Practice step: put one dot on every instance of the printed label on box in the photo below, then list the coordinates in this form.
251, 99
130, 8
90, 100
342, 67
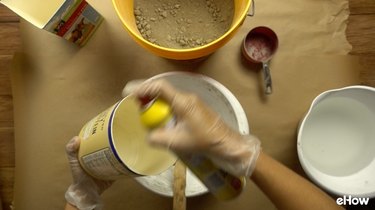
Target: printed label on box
75, 21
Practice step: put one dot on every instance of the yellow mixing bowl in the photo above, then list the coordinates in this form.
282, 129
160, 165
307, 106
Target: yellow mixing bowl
125, 11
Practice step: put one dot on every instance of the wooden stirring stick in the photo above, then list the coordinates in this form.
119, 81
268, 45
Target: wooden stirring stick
179, 185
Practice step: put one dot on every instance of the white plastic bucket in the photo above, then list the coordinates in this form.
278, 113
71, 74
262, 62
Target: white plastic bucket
221, 100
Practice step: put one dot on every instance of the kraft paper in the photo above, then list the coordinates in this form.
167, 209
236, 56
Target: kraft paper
59, 87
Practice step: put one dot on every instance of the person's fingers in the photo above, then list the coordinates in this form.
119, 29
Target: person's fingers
166, 91
147, 89
176, 139
157, 88
72, 154
183, 104
131, 86
162, 137
72, 147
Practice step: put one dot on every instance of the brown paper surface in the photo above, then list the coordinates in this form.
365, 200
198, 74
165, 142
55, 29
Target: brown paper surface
305, 27
58, 87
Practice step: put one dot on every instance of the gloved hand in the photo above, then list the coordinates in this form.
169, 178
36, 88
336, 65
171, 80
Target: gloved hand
200, 130
85, 191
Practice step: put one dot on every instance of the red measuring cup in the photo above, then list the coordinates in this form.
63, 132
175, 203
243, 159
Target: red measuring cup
259, 45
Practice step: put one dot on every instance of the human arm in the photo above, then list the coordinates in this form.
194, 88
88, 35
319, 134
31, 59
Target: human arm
287, 189
200, 130
84, 192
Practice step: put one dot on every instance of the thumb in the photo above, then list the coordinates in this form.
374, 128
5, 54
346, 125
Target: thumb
72, 153
72, 147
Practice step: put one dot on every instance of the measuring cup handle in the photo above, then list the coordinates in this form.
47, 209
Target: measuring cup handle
267, 78
251, 11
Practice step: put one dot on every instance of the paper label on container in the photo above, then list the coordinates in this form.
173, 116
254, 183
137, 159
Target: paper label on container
75, 21
103, 163
96, 124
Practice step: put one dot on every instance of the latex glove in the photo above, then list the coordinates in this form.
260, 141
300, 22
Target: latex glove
85, 191
131, 86
200, 130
